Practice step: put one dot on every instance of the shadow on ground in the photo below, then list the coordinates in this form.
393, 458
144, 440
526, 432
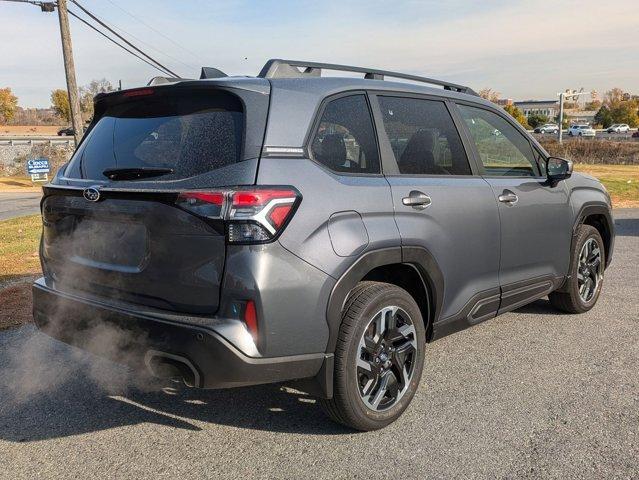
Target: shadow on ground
627, 227
82, 404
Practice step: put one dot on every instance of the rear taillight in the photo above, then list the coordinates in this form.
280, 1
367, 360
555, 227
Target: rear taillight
254, 215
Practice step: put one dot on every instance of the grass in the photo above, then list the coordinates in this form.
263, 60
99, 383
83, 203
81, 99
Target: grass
621, 181
19, 241
594, 152
18, 184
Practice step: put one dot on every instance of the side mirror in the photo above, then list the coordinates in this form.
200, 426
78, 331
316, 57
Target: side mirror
558, 169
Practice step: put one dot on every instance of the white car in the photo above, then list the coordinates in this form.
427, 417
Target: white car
618, 128
547, 128
581, 131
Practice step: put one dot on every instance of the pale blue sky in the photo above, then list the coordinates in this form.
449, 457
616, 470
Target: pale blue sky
523, 49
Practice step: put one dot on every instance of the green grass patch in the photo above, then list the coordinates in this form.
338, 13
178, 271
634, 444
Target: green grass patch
19, 243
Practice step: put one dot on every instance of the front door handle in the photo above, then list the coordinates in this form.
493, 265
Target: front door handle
417, 200
508, 197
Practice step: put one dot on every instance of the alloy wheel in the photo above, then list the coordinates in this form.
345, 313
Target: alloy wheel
386, 358
589, 270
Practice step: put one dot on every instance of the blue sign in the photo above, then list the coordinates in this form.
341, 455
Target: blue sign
38, 165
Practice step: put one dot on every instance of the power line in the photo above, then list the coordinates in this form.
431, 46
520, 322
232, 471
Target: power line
124, 39
115, 42
149, 45
156, 31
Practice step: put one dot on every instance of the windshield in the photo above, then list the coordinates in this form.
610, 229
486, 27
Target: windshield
182, 134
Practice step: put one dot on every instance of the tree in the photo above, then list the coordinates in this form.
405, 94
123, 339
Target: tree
603, 117
8, 104
517, 115
89, 91
594, 105
60, 104
626, 111
614, 97
535, 119
489, 94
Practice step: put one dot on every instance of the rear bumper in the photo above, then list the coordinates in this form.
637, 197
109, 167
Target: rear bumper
131, 338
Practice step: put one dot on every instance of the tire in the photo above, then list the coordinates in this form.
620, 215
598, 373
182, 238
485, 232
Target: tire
366, 305
569, 298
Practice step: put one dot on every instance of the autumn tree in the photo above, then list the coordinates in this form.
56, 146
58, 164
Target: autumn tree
60, 104
489, 94
613, 97
517, 115
626, 111
8, 105
623, 108
89, 91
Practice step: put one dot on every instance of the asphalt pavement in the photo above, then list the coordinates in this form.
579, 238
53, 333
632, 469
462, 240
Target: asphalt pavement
531, 394
16, 204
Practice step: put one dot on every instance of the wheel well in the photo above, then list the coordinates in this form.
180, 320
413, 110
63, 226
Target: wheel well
600, 223
407, 277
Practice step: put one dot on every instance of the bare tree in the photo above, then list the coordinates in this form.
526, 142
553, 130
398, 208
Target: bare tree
89, 91
489, 94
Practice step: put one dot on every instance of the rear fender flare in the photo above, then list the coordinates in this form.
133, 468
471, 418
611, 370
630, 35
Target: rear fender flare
418, 257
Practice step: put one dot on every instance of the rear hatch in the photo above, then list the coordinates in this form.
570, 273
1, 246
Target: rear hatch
113, 223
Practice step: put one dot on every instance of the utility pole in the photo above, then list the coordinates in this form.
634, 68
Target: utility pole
69, 70
561, 116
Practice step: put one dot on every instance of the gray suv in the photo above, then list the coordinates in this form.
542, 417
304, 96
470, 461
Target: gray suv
290, 227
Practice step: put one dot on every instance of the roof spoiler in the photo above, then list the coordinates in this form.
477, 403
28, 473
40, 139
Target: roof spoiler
278, 68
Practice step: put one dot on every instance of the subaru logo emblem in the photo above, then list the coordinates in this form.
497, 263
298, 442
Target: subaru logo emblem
92, 194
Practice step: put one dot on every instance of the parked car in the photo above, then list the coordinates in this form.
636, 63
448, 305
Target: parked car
547, 128
581, 131
237, 231
635, 134
66, 131
618, 128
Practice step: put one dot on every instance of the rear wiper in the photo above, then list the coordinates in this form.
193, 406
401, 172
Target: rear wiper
134, 173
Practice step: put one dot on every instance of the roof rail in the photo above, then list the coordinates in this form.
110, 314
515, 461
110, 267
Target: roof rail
278, 68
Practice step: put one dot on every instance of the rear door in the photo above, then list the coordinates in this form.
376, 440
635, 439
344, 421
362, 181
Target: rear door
117, 223
535, 215
440, 205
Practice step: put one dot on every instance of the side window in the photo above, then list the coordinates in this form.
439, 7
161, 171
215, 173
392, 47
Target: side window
423, 137
345, 140
504, 151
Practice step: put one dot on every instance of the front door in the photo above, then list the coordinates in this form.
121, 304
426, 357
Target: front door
535, 215
440, 205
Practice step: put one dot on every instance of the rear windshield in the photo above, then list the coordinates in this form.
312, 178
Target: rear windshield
185, 133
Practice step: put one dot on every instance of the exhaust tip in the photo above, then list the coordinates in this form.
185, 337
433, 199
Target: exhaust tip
174, 367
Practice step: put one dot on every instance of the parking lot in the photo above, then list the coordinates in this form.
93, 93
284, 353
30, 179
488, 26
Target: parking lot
532, 394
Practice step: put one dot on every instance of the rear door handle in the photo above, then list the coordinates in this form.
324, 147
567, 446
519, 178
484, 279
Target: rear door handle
418, 200
508, 197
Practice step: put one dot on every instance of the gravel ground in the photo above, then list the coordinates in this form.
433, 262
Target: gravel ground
532, 394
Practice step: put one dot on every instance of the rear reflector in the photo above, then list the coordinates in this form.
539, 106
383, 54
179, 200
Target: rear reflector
254, 215
250, 318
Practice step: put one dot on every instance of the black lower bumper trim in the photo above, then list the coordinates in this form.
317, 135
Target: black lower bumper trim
126, 337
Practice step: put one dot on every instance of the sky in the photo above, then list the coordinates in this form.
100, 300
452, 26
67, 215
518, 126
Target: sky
522, 49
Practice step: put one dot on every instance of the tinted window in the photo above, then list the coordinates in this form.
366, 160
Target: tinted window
504, 151
423, 137
345, 140
190, 134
